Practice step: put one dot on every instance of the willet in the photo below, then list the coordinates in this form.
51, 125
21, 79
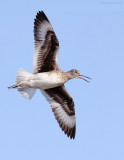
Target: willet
48, 77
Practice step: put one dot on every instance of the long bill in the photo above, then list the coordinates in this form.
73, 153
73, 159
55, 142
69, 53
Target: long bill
81, 77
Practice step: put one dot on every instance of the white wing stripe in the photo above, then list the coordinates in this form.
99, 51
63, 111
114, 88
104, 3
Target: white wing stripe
39, 41
46, 45
62, 115
42, 29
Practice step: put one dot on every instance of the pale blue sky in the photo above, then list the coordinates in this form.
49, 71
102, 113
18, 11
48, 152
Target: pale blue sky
91, 36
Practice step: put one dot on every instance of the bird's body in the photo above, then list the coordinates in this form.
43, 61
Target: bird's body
43, 80
48, 77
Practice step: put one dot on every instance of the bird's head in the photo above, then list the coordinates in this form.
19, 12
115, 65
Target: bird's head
74, 73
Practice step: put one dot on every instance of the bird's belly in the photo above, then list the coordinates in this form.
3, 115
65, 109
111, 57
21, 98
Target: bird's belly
43, 81
45, 84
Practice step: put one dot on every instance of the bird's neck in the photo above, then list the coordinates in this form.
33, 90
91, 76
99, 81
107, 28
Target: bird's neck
69, 75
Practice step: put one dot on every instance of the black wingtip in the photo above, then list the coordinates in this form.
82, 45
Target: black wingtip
41, 16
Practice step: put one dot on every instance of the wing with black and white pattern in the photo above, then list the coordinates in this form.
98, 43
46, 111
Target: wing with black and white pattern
63, 107
46, 45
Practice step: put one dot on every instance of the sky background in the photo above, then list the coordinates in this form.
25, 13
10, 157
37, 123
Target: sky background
91, 36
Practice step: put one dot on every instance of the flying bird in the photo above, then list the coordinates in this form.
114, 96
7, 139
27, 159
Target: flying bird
48, 77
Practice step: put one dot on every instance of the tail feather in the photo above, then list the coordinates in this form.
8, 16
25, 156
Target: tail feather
22, 78
22, 75
28, 93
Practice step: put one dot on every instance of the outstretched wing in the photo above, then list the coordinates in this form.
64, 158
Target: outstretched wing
46, 45
63, 107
